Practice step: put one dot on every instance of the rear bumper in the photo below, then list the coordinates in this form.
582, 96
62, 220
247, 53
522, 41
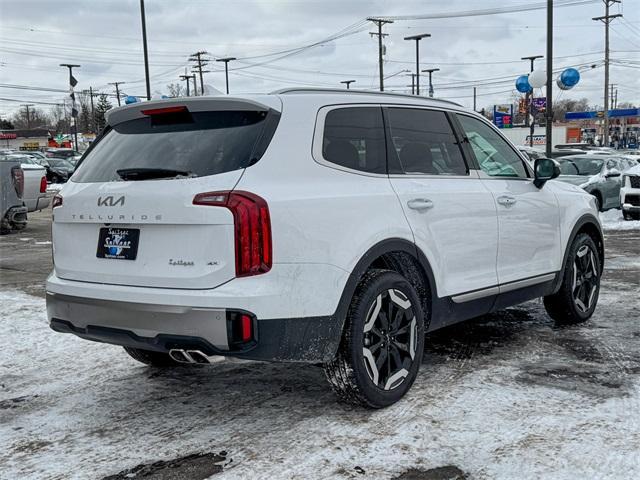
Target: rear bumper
163, 328
295, 322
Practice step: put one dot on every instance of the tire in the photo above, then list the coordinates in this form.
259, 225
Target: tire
154, 359
372, 377
578, 295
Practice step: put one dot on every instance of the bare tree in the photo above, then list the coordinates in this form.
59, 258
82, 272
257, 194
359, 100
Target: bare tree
176, 90
37, 118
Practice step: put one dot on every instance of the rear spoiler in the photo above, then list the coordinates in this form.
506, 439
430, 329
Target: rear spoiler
194, 104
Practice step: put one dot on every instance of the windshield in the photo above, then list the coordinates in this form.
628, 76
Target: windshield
195, 145
59, 162
586, 166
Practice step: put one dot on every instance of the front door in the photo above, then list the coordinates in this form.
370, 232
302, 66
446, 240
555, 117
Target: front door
529, 242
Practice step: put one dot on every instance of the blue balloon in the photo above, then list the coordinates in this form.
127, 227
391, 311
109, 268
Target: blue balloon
568, 79
130, 99
522, 84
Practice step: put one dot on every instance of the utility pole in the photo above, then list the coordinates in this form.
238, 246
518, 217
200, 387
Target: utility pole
417, 39
413, 83
611, 101
380, 22
531, 122
347, 82
195, 85
27, 105
606, 19
430, 72
615, 100
226, 61
116, 84
548, 112
187, 78
93, 113
474, 99
144, 46
74, 111
201, 62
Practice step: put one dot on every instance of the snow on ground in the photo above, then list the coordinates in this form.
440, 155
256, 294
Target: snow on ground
506, 397
613, 220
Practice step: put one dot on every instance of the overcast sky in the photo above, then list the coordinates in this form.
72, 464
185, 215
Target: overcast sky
105, 38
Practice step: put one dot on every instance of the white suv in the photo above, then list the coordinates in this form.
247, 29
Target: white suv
320, 226
630, 193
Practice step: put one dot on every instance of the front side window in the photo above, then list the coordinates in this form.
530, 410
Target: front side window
494, 155
354, 138
424, 142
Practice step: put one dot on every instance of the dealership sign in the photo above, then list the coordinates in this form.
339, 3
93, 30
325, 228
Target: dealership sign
8, 136
537, 140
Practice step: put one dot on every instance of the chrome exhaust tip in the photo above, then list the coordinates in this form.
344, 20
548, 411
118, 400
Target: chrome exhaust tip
180, 356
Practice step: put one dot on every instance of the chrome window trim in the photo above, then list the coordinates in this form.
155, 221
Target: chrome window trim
503, 288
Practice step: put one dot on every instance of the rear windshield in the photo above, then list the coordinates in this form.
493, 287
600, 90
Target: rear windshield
200, 143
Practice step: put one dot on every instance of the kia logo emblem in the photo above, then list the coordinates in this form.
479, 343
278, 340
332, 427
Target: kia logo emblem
110, 201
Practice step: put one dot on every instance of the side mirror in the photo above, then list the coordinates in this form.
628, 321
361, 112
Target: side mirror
545, 169
612, 173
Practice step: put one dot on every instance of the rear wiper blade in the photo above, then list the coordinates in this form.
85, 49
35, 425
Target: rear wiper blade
150, 173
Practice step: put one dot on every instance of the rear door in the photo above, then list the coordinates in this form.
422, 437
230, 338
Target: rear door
528, 217
127, 215
452, 214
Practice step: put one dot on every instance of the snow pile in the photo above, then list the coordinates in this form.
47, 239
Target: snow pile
77, 410
613, 220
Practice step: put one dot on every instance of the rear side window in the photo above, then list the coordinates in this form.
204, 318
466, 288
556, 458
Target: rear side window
424, 142
354, 138
200, 143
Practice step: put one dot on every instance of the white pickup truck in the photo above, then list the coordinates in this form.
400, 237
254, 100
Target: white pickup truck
35, 196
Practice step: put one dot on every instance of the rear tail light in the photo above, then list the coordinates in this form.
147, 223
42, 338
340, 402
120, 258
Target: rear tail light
43, 184
18, 180
56, 202
241, 330
252, 225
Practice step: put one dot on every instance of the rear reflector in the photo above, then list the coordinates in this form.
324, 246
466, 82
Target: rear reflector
241, 330
164, 110
252, 225
43, 185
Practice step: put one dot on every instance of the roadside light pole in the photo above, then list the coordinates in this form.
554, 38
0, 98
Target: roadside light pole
548, 113
144, 46
347, 82
74, 111
226, 61
531, 122
430, 72
417, 38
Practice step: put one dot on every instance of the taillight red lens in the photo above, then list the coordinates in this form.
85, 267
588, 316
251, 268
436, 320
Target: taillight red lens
164, 110
252, 228
56, 202
246, 328
43, 185
18, 180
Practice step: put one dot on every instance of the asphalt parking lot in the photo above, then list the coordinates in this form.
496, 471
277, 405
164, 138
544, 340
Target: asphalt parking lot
508, 396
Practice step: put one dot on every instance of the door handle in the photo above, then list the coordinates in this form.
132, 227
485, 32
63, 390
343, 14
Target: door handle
506, 200
420, 204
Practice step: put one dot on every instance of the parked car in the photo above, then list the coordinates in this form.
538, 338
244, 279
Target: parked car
599, 175
58, 169
630, 193
531, 154
60, 152
35, 196
13, 214
565, 152
331, 227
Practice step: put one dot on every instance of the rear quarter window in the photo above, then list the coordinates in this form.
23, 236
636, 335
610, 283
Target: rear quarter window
353, 138
201, 143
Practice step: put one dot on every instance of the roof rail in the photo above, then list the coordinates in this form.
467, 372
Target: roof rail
357, 92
